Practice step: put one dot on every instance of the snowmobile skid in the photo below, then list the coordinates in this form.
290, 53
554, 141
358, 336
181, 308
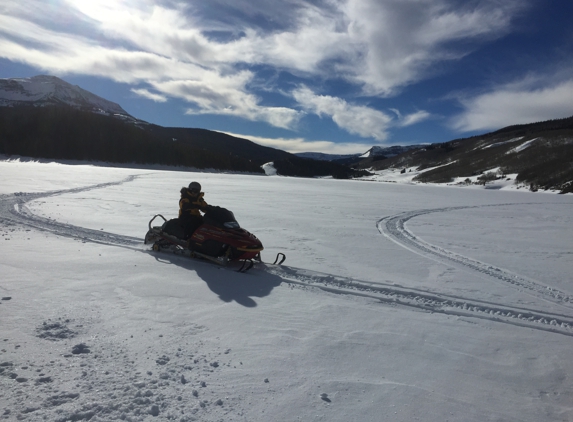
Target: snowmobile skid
220, 240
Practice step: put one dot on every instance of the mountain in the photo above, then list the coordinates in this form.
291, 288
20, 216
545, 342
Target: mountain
540, 154
392, 151
375, 151
375, 154
326, 157
46, 117
363, 160
43, 90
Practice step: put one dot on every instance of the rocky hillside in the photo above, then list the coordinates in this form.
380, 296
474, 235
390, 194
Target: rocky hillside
541, 154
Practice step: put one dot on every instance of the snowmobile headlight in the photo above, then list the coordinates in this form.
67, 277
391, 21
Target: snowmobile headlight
231, 225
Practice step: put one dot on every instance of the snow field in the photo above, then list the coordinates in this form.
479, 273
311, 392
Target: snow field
353, 327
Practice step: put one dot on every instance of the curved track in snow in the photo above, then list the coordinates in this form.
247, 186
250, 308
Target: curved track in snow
420, 300
13, 211
394, 228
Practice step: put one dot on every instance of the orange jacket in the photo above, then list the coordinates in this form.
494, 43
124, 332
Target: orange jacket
190, 205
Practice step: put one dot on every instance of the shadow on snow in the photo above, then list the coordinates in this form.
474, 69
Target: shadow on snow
228, 284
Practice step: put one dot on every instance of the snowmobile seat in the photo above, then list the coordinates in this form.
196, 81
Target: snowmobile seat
174, 228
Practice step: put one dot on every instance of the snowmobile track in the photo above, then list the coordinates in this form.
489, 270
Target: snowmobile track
394, 228
13, 211
420, 300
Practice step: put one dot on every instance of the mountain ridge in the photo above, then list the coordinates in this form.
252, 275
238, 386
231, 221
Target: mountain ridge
540, 154
45, 90
374, 151
46, 117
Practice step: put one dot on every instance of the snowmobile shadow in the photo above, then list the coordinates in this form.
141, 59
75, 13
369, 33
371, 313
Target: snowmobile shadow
227, 284
241, 288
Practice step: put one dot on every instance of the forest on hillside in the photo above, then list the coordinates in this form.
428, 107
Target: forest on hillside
66, 133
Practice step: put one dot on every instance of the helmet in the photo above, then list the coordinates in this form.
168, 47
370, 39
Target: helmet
195, 186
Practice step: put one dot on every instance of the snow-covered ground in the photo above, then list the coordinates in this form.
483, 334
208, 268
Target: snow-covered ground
507, 182
396, 303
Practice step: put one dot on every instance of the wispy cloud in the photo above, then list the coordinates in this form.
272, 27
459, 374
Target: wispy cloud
515, 103
150, 95
294, 145
211, 90
401, 40
359, 120
410, 119
209, 54
356, 119
227, 95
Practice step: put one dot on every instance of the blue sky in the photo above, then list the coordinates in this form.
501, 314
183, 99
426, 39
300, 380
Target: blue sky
333, 76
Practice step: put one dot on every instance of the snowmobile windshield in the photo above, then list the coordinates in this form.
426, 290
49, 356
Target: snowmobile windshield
221, 217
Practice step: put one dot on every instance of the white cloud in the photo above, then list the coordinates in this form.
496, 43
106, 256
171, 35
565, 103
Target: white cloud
294, 145
516, 103
356, 119
360, 120
214, 94
151, 28
303, 49
208, 88
414, 118
169, 46
403, 39
382, 44
150, 95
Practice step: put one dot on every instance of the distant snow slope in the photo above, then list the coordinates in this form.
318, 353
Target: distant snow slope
324, 157
372, 152
49, 90
389, 151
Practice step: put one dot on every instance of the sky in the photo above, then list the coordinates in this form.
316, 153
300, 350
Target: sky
332, 76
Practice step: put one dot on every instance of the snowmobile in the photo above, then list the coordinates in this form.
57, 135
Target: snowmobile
220, 240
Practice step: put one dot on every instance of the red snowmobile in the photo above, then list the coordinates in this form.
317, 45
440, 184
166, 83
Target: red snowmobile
219, 239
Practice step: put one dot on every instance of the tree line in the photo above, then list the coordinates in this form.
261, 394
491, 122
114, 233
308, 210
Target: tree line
60, 132
66, 133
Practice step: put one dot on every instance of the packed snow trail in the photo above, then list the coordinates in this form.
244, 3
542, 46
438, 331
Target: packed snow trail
394, 228
13, 210
425, 301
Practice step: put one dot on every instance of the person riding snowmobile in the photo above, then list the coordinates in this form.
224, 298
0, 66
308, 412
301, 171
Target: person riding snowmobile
190, 205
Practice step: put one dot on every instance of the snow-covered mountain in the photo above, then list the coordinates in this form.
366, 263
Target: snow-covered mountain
46, 90
375, 151
392, 151
26, 102
538, 153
